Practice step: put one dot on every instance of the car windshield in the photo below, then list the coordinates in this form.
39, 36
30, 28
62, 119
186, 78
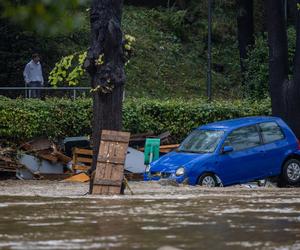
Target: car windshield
201, 141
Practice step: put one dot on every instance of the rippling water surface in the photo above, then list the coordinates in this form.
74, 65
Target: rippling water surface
51, 215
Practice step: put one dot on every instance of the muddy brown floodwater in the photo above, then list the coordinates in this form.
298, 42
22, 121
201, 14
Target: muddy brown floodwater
57, 215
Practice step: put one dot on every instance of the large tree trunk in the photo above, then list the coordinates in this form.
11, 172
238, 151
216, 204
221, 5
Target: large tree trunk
105, 63
292, 11
182, 4
245, 26
293, 90
278, 55
284, 93
297, 54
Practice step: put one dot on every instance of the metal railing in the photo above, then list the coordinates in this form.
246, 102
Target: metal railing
28, 89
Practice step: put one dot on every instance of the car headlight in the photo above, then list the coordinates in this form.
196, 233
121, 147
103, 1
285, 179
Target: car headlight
180, 171
147, 170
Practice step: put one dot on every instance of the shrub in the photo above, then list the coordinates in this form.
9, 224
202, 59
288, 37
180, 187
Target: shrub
257, 65
58, 118
54, 118
257, 70
180, 116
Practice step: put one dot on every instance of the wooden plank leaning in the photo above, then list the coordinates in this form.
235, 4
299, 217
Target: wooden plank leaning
110, 163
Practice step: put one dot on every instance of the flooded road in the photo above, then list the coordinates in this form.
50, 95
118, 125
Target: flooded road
56, 215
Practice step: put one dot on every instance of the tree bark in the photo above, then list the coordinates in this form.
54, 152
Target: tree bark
284, 92
292, 11
296, 72
105, 64
293, 90
278, 55
181, 3
245, 26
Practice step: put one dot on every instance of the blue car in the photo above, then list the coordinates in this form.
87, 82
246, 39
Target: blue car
233, 152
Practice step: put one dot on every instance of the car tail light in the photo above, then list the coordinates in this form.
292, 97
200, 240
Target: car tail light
298, 142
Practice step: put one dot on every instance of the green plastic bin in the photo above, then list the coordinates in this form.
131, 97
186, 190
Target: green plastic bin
151, 151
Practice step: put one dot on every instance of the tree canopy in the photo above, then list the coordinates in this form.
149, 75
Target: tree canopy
46, 17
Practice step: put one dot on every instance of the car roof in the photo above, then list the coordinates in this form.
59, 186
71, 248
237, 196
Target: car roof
239, 122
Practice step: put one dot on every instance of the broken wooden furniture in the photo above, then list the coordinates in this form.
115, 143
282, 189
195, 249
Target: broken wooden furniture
8, 163
138, 140
163, 149
69, 143
168, 148
109, 171
81, 177
42, 159
82, 159
45, 149
134, 164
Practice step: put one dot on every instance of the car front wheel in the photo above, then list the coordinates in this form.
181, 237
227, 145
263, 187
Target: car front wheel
207, 180
291, 172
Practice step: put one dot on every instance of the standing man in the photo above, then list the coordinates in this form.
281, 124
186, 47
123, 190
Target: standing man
33, 76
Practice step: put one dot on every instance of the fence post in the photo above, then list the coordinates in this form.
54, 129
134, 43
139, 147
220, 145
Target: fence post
25, 90
74, 94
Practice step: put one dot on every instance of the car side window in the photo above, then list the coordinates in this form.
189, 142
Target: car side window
243, 138
271, 132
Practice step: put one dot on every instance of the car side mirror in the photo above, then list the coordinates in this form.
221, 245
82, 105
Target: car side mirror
227, 149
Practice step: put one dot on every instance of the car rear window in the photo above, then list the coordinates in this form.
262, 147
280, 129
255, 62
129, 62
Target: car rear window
243, 138
271, 132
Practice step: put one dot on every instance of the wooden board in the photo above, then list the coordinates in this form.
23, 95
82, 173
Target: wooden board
110, 163
164, 148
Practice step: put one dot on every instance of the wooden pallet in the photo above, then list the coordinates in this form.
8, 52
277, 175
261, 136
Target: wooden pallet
82, 159
110, 163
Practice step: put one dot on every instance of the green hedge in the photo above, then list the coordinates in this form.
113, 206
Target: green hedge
57, 118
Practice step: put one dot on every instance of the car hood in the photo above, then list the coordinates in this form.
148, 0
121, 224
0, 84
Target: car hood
174, 159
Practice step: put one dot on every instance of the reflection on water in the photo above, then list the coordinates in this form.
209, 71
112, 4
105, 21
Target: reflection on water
182, 217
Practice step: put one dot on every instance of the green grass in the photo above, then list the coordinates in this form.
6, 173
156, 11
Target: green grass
170, 56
